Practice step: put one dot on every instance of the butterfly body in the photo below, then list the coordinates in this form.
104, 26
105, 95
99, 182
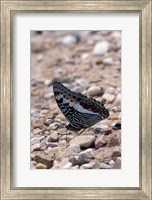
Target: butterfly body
80, 111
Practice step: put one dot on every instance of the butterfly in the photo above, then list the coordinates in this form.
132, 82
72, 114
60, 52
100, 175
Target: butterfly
81, 112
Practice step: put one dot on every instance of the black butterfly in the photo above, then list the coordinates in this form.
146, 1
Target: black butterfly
80, 111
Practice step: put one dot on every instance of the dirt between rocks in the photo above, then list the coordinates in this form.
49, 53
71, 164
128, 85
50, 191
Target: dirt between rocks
88, 62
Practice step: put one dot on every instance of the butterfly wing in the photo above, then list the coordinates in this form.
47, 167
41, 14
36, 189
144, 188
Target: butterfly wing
80, 111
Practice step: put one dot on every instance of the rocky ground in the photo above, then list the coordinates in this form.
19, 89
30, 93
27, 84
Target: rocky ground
84, 61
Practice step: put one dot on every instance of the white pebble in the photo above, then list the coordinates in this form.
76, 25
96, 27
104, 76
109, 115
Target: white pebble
109, 97
68, 40
108, 61
94, 90
101, 48
118, 100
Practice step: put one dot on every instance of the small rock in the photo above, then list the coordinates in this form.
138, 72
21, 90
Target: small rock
72, 149
39, 57
75, 167
69, 40
109, 98
62, 144
100, 141
53, 126
108, 61
65, 164
36, 147
83, 83
116, 126
85, 56
94, 90
47, 122
101, 48
36, 131
111, 162
48, 95
67, 138
46, 160
54, 152
114, 140
41, 166
78, 89
37, 44
118, 100
84, 141
116, 35
35, 141
110, 90
104, 166
89, 165
53, 137
100, 130
116, 153
117, 164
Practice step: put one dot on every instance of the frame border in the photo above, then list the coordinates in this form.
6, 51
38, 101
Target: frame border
8, 9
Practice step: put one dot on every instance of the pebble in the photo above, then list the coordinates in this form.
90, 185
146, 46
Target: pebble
116, 126
62, 144
41, 166
114, 140
118, 100
48, 95
101, 48
36, 147
54, 152
109, 98
89, 165
104, 166
116, 35
116, 153
88, 153
35, 141
39, 57
82, 83
85, 56
84, 141
53, 137
65, 163
47, 122
100, 130
68, 137
46, 160
110, 90
108, 61
70, 150
69, 40
117, 164
37, 44
36, 131
112, 162
100, 141
94, 90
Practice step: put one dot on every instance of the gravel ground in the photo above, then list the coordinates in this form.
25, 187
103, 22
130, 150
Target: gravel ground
84, 61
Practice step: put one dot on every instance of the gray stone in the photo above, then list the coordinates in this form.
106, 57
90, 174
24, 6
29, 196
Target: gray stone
35, 141
117, 164
53, 137
84, 141
72, 149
